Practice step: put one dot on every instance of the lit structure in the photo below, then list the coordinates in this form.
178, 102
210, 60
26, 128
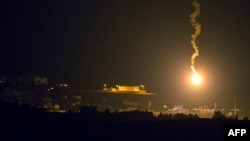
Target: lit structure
120, 98
126, 89
129, 88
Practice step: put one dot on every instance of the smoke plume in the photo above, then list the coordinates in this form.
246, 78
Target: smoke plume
197, 27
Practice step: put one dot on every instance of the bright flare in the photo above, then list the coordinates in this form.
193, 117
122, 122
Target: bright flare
196, 79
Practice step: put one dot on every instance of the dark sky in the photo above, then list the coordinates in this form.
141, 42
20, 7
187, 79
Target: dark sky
131, 42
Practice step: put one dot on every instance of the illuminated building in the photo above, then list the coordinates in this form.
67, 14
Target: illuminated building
120, 98
127, 89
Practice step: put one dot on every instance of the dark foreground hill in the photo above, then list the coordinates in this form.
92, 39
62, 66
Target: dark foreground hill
198, 129
35, 125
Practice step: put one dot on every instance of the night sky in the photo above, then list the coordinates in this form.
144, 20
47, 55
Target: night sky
131, 42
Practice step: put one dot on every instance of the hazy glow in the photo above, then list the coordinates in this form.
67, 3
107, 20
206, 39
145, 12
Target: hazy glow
196, 79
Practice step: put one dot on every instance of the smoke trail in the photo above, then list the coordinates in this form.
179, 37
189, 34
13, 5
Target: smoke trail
197, 27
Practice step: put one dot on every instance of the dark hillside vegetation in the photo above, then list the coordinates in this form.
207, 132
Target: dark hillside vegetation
22, 122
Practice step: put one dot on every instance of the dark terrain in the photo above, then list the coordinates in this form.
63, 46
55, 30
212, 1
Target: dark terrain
22, 122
